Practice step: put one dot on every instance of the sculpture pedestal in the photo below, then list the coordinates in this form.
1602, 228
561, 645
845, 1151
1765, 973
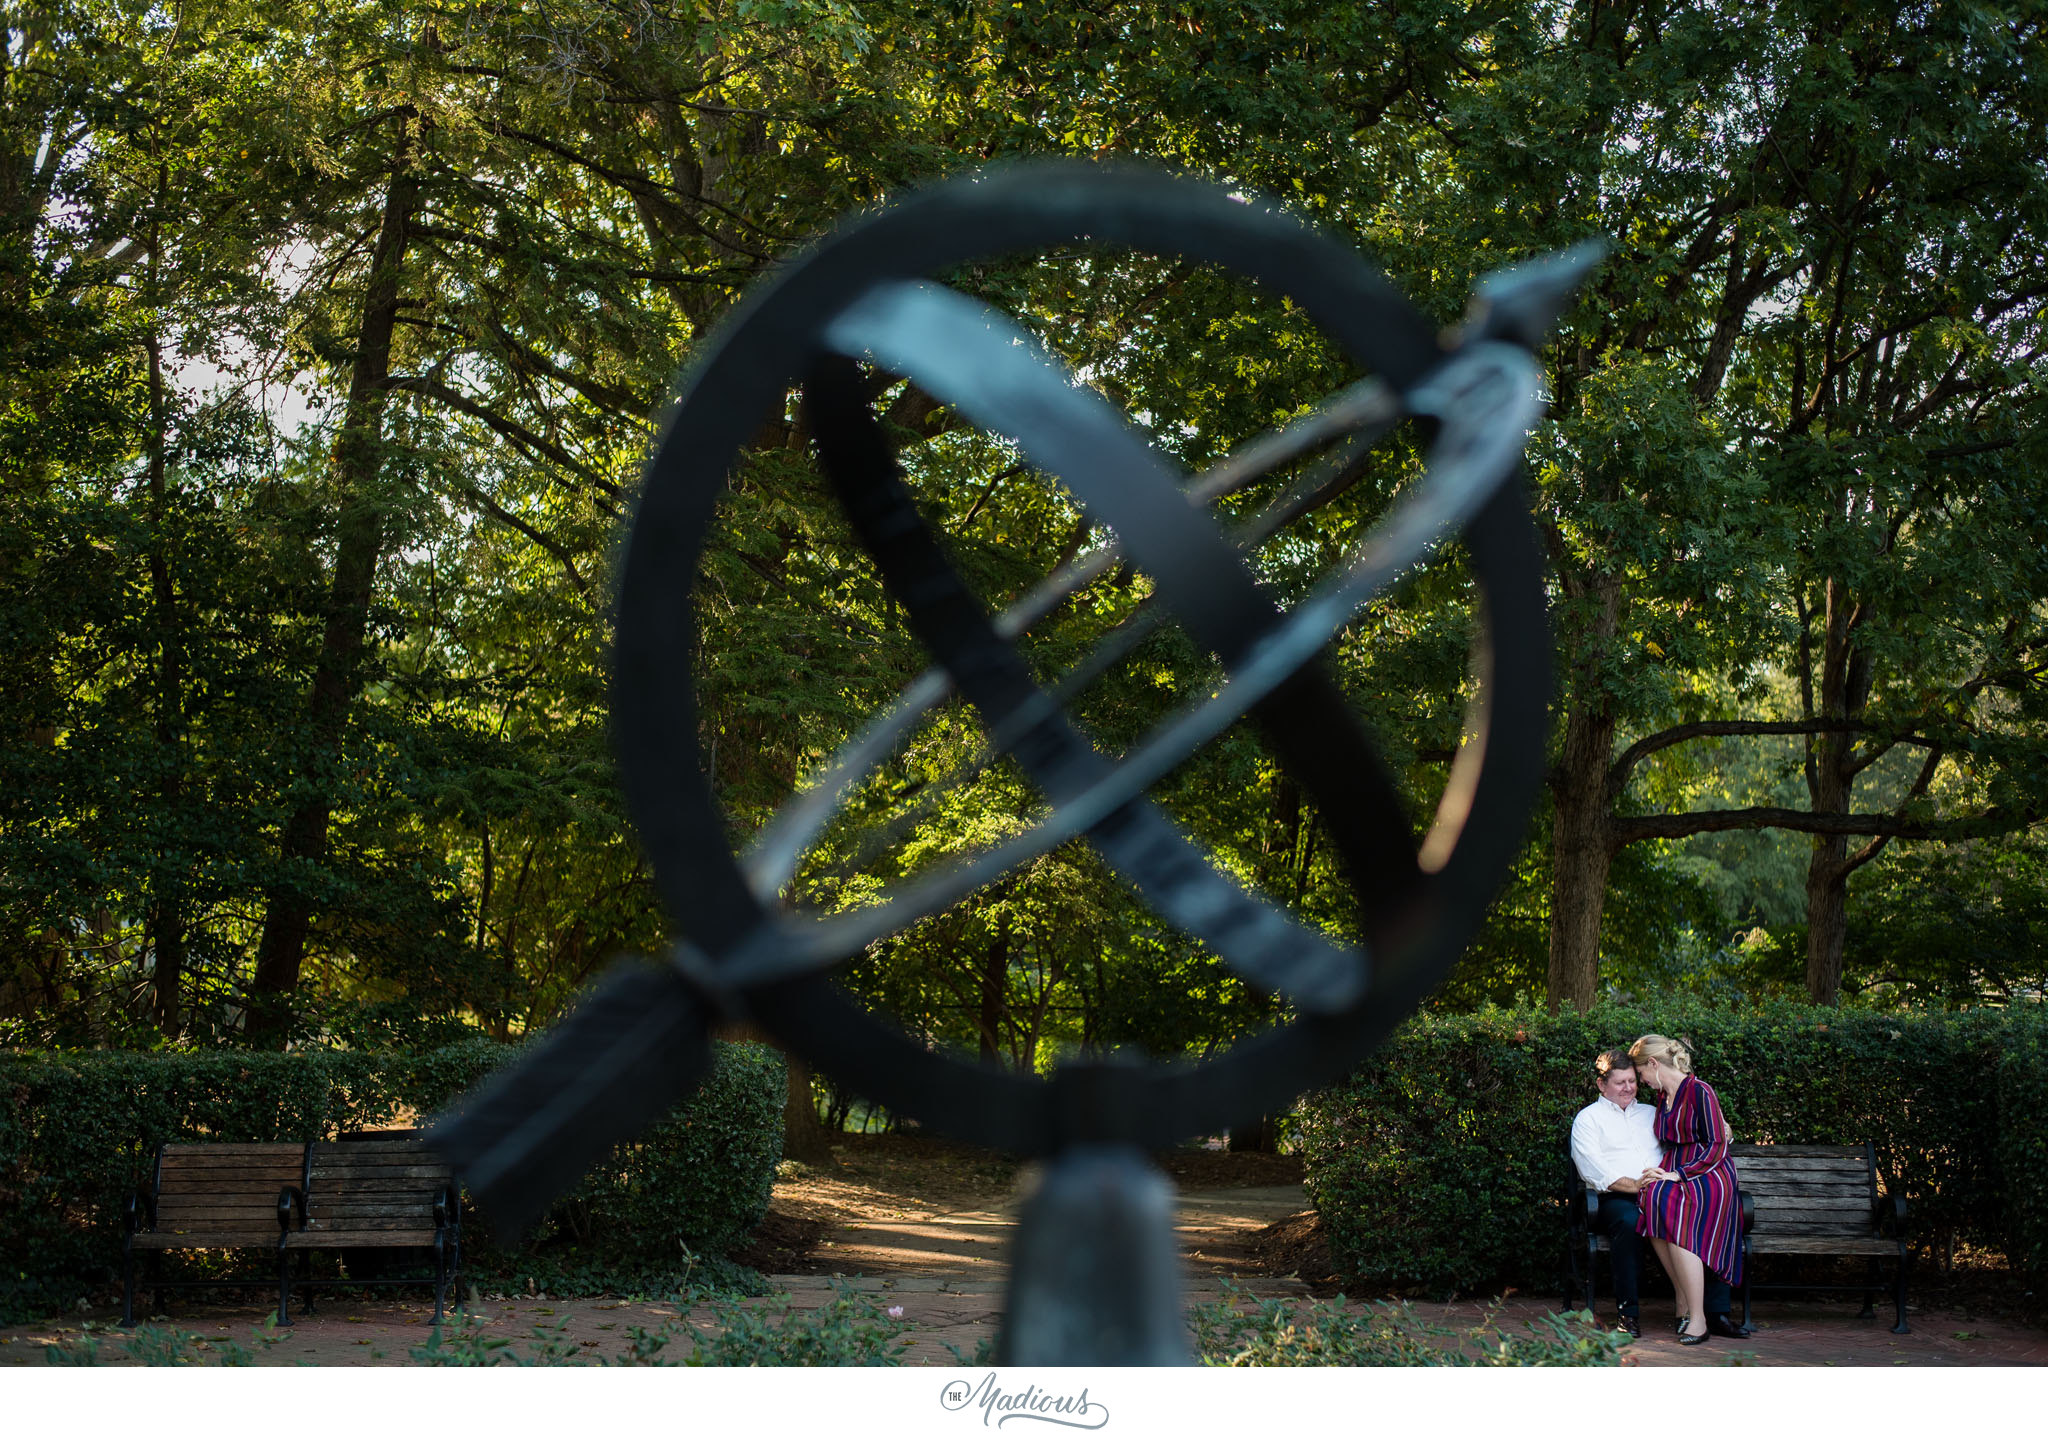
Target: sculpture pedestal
1095, 1277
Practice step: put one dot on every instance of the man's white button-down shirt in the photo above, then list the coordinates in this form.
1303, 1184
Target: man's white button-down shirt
1610, 1142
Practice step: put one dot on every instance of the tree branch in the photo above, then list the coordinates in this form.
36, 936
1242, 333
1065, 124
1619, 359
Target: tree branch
1626, 830
1870, 852
554, 549
523, 436
1618, 773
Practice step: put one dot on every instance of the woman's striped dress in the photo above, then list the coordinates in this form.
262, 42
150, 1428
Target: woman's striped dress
1699, 1211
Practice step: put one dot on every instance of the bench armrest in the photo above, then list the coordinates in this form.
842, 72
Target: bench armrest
1582, 1208
291, 1200
447, 1208
1748, 1209
138, 1214
1888, 1214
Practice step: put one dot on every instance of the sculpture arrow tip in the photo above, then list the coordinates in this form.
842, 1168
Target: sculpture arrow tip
1521, 303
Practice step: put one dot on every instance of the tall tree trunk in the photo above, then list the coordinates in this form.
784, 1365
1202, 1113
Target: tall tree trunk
1581, 832
1830, 780
166, 916
803, 1137
995, 984
1827, 917
1262, 1137
358, 459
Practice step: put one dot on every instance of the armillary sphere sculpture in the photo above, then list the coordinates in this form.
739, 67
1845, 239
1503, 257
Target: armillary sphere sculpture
1094, 1273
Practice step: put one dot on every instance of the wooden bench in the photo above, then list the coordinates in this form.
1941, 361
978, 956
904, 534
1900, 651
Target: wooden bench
1822, 1200
211, 1196
1814, 1199
377, 1194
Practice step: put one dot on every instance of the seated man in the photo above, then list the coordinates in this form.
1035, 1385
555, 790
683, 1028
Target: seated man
1614, 1143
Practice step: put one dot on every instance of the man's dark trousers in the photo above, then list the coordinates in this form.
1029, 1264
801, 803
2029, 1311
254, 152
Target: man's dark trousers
1617, 1219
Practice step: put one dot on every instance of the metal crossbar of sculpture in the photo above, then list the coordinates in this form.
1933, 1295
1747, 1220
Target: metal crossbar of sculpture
1094, 1272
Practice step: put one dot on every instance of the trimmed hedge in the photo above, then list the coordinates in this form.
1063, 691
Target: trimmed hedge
78, 1132
1439, 1164
2023, 1150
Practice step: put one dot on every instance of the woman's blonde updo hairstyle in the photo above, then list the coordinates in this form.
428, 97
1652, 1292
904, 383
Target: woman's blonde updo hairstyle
1675, 1053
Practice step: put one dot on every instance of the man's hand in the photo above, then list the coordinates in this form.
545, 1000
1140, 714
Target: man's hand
1625, 1185
1653, 1174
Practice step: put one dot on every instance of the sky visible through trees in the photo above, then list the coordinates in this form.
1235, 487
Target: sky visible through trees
334, 336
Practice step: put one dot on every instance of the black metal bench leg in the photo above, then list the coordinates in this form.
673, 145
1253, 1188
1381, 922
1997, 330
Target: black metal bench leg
1746, 1323
455, 1271
159, 1295
305, 1279
128, 1287
284, 1286
1870, 1288
1899, 1296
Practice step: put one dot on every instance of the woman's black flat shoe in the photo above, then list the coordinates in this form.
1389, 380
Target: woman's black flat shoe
1691, 1339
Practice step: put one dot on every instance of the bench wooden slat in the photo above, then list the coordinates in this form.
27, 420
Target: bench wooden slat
1807, 1243
1799, 1151
285, 1169
210, 1154
421, 1171
381, 1151
1840, 1227
422, 1199
370, 1151
178, 1148
363, 1238
1805, 1188
149, 1241
216, 1217
266, 1188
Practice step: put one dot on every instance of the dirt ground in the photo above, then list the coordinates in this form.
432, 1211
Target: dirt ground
893, 1204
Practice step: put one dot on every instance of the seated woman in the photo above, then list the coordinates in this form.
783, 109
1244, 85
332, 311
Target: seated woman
1690, 1208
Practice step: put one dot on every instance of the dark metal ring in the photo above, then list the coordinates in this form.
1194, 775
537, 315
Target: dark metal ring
782, 334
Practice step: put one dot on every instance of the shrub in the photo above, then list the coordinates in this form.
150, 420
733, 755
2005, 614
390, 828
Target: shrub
79, 1132
851, 1330
2023, 1151
1242, 1331
1439, 1164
